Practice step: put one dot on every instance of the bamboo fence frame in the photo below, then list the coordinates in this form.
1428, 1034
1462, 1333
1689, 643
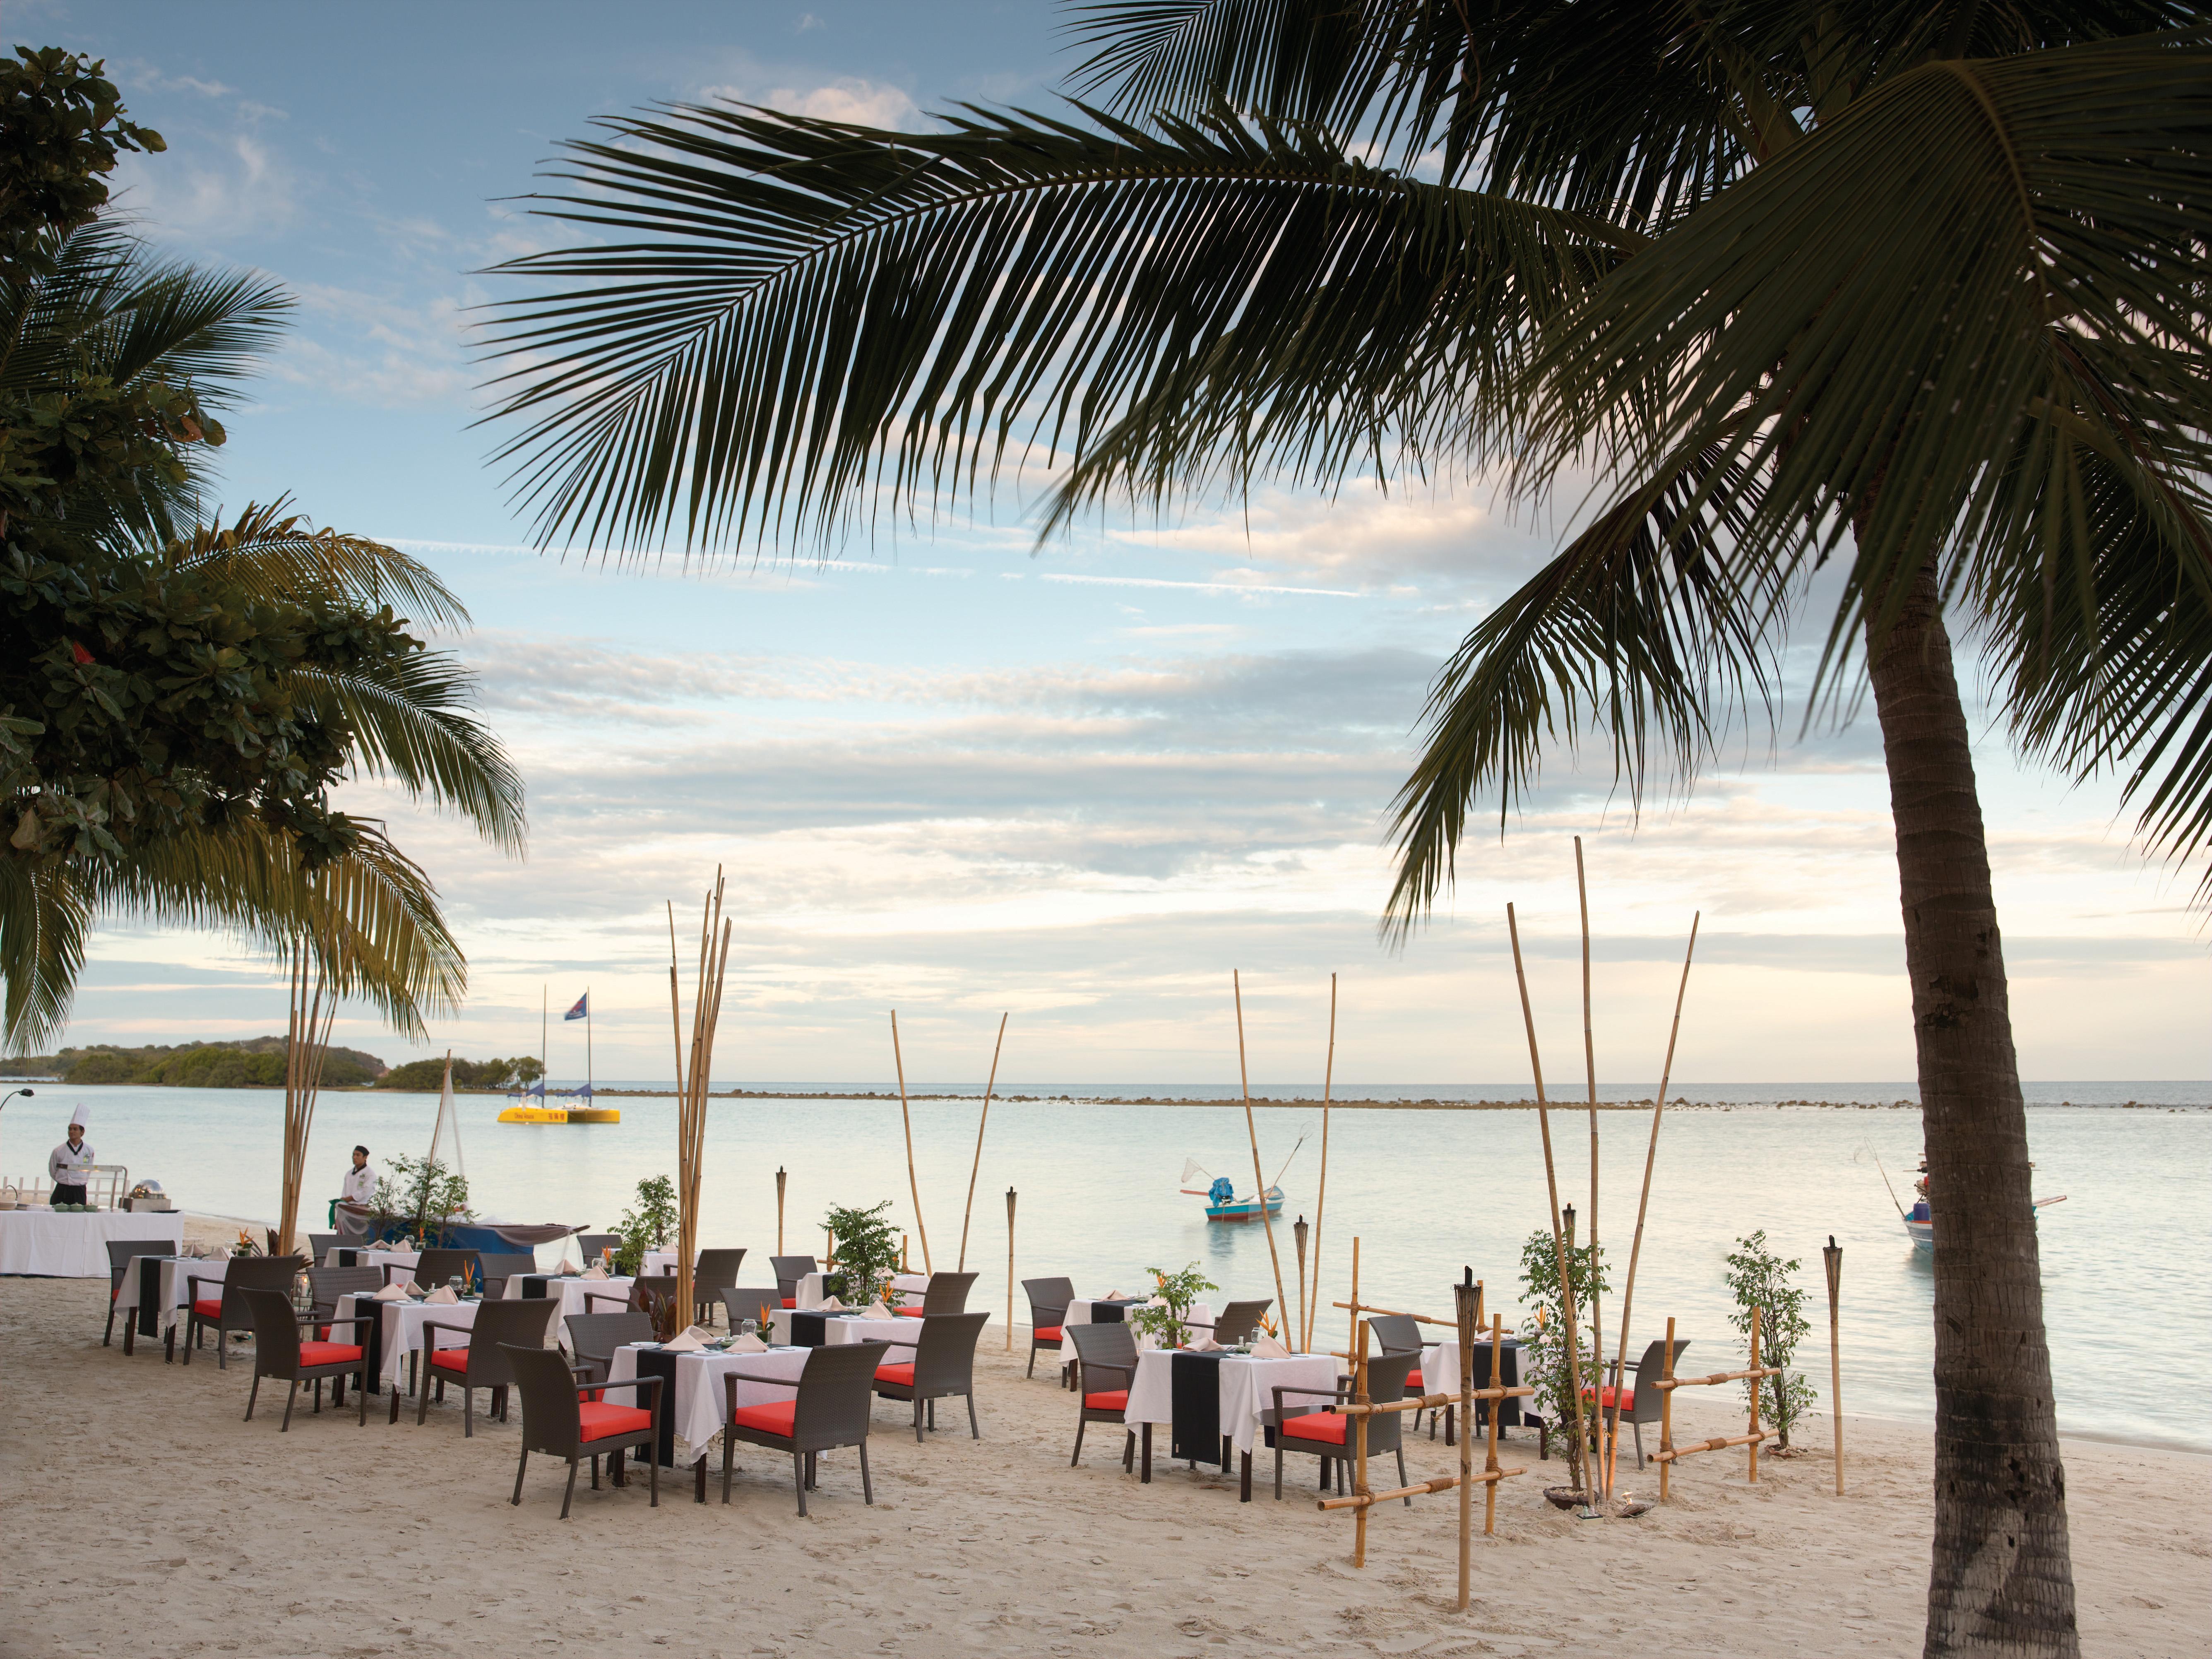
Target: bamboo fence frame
691, 1088
1644, 1201
1579, 1460
313, 1008
913, 1182
1259, 1177
977, 1169
1668, 1452
1320, 1202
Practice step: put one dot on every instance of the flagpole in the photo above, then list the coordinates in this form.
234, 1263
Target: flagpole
545, 1041
588, 1089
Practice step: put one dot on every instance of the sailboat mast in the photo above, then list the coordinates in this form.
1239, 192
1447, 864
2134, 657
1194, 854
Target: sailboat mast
544, 1046
587, 1046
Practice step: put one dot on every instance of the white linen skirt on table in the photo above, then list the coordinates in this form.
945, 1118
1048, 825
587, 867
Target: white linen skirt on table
402, 1327
1247, 1386
702, 1397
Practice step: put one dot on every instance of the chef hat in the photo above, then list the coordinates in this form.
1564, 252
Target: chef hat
77, 1115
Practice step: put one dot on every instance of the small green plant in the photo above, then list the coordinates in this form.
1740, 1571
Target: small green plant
867, 1253
423, 1195
1165, 1324
1760, 1280
1543, 1334
647, 1224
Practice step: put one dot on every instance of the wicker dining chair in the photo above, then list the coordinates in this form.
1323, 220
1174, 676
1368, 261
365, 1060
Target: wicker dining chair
498, 1327
556, 1420
1048, 1300
1640, 1404
947, 1294
758, 1303
1325, 1434
832, 1409
1401, 1333
432, 1268
1105, 1355
500, 1266
714, 1273
594, 1245
593, 1338
279, 1352
1239, 1322
942, 1365
789, 1270
120, 1253
227, 1313
319, 1245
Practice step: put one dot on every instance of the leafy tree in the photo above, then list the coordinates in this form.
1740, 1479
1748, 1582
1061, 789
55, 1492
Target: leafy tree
421, 1194
1543, 1334
419, 1076
178, 697
1914, 293
1759, 1279
1167, 1324
867, 1252
648, 1224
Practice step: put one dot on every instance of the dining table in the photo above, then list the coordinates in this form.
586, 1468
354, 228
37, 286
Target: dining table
1440, 1373
575, 1294
694, 1399
157, 1290
1212, 1401
808, 1327
396, 1338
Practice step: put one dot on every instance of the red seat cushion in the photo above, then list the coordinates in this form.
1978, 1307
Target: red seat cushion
595, 1422
1413, 1380
1318, 1426
896, 1374
1048, 1333
1605, 1398
209, 1308
450, 1359
773, 1417
1106, 1400
789, 1302
329, 1353
908, 1313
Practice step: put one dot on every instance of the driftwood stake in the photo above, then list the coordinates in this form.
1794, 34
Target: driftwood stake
1832, 1258
976, 1169
1577, 1464
1603, 1484
1667, 1412
1010, 1270
913, 1182
1463, 1299
1259, 1178
1644, 1203
1320, 1202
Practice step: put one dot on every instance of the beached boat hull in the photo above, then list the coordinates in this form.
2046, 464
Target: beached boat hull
561, 1115
1245, 1209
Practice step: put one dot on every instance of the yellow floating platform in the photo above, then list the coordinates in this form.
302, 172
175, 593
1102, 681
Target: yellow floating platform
561, 1115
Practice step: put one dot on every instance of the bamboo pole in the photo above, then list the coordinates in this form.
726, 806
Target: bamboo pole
712, 965
1666, 1411
1464, 1299
1651, 1159
1756, 1383
1351, 1339
1259, 1179
779, 1209
1577, 1464
1718, 1443
1832, 1259
1321, 1203
306, 1043
1359, 1485
913, 1182
1010, 1270
1299, 1240
977, 1168
1603, 1483
1466, 1424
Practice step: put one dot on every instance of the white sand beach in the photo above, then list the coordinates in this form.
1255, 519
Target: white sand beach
144, 1517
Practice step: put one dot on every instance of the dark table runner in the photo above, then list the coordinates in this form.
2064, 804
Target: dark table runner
655, 1362
1110, 1313
149, 1293
1195, 1396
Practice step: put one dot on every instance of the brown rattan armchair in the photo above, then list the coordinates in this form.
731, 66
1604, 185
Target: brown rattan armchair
714, 1273
758, 1303
595, 1337
1048, 1300
279, 1352
226, 1312
432, 1268
498, 1327
942, 1365
499, 1267
831, 1410
789, 1270
1328, 1435
1105, 1366
558, 1420
947, 1294
1239, 1322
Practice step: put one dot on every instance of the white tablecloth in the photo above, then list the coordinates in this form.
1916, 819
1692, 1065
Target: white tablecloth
570, 1293
402, 1327
837, 1331
659, 1261
1246, 1383
701, 1395
76, 1246
1199, 1319
366, 1258
176, 1273
1440, 1368
912, 1284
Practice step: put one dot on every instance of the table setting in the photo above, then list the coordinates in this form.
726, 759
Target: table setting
396, 1337
157, 1290
1440, 1374
578, 1293
1210, 1399
694, 1394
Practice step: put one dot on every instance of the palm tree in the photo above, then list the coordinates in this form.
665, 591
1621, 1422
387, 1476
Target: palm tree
100, 312
1918, 292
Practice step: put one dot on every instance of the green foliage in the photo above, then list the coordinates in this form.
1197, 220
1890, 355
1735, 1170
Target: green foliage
867, 1252
1759, 1279
428, 1076
423, 1194
648, 1224
61, 129
1166, 1325
250, 1063
1543, 1332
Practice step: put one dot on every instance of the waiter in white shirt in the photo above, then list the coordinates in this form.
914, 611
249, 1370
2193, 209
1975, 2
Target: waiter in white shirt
70, 1163
359, 1186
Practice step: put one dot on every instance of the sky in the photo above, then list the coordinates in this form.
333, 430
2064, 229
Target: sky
957, 773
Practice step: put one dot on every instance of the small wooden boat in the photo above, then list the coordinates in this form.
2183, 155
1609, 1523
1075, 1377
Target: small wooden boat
1920, 1221
1222, 1203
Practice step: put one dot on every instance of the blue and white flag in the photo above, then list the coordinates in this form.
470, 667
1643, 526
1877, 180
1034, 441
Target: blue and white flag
585, 1090
536, 1088
582, 1010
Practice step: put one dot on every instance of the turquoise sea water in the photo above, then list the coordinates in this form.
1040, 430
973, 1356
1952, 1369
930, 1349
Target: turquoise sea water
2126, 1295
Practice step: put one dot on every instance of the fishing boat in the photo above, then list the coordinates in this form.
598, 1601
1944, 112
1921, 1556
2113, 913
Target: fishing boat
1920, 1221
1222, 1203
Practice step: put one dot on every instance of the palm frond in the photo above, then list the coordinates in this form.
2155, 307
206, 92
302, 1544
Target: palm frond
1646, 626
272, 550
811, 312
43, 923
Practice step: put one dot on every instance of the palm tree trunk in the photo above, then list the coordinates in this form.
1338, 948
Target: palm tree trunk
2001, 1581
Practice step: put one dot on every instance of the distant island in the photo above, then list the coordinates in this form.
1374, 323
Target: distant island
258, 1063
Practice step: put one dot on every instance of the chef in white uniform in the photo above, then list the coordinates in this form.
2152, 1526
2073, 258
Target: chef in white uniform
69, 1165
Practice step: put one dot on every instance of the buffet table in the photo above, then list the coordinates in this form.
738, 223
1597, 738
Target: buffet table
73, 1245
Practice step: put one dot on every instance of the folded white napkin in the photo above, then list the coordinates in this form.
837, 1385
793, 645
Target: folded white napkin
685, 1341
595, 1271
830, 1304
443, 1295
1204, 1344
749, 1345
1113, 1296
1265, 1346
877, 1310
390, 1293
